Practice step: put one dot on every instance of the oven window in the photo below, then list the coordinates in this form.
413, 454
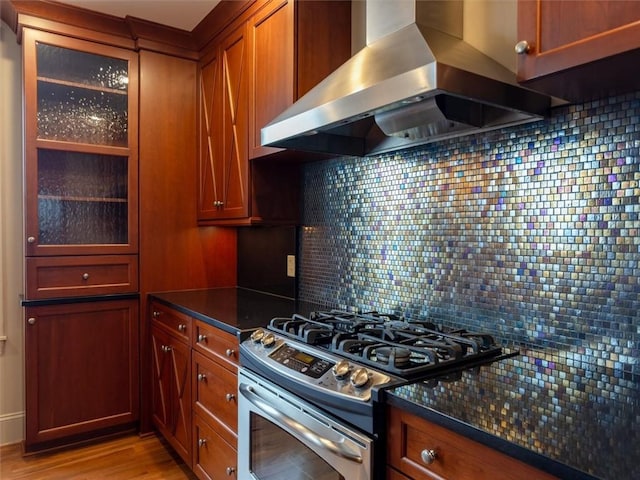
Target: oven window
277, 455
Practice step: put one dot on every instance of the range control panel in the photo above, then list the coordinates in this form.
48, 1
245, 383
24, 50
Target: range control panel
310, 365
301, 361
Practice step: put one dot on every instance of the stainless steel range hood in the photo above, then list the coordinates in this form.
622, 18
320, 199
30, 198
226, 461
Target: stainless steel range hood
415, 82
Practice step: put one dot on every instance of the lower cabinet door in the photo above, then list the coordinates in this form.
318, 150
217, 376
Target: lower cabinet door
213, 457
171, 390
81, 371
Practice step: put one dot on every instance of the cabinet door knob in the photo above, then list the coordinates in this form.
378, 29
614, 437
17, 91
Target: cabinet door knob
166, 348
156, 314
201, 338
31, 321
218, 203
202, 442
522, 47
85, 276
31, 239
428, 456
230, 352
230, 471
229, 396
202, 377
182, 327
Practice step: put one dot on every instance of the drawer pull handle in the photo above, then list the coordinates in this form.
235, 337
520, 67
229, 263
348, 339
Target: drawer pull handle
229, 396
85, 276
202, 442
202, 377
522, 47
182, 328
202, 338
156, 314
230, 352
230, 471
165, 348
428, 456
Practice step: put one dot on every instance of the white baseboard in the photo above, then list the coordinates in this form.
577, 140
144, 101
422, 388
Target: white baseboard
11, 428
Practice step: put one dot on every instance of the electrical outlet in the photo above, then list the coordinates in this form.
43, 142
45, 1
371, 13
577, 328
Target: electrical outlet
291, 265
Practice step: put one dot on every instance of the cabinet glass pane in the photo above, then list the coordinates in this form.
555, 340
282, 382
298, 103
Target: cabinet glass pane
82, 198
82, 97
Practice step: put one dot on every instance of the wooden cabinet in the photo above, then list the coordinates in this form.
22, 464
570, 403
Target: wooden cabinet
195, 383
223, 123
274, 52
82, 370
81, 237
80, 146
215, 403
171, 366
412, 439
51, 277
579, 50
293, 46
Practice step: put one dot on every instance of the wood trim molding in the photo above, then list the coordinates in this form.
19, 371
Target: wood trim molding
215, 22
161, 38
130, 32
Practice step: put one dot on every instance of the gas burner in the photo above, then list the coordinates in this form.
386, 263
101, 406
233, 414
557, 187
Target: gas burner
396, 356
407, 348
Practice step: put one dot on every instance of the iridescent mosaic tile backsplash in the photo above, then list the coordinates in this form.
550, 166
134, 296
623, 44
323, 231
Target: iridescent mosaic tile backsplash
531, 233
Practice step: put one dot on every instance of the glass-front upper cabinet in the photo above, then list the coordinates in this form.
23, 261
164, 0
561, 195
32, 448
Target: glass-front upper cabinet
81, 116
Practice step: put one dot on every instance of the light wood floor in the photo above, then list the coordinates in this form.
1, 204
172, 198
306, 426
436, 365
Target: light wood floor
125, 458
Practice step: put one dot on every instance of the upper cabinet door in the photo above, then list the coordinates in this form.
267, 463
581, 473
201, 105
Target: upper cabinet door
578, 50
272, 68
293, 46
223, 176
81, 146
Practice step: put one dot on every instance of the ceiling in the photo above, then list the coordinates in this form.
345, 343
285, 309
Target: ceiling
182, 14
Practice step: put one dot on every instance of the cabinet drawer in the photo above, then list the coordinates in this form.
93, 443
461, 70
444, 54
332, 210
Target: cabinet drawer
213, 458
457, 457
54, 277
177, 322
215, 396
213, 341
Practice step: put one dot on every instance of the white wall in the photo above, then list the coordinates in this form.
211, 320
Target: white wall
11, 283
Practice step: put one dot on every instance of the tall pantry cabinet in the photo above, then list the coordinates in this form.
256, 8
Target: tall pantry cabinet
81, 238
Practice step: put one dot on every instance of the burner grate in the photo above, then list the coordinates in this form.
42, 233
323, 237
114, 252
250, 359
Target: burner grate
405, 348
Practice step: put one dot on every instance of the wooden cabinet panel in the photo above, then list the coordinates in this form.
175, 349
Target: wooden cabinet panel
210, 165
82, 365
214, 396
213, 458
272, 54
214, 342
272, 68
171, 391
223, 124
54, 277
293, 46
177, 323
456, 457
81, 146
579, 50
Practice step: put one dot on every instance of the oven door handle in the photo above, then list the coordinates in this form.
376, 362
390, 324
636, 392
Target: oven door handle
334, 447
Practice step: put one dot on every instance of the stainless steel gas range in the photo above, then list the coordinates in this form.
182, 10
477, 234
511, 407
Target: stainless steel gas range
311, 389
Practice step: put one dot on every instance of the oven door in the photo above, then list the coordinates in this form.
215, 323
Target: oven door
281, 436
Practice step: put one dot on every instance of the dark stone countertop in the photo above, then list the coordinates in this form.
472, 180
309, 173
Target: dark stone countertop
234, 310
546, 410
574, 420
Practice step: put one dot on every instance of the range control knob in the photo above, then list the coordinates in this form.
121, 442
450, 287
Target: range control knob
341, 369
257, 335
268, 340
359, 378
